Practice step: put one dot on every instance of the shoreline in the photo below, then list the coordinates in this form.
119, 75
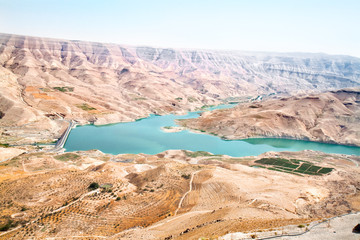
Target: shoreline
265, 137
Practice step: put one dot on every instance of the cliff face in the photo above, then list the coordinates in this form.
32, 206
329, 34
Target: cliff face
331, 117
104, 83
265, 72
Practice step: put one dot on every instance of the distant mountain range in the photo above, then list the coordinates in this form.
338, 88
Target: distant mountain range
104, 83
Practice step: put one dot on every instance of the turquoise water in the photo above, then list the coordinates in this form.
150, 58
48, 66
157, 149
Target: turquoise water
145, 136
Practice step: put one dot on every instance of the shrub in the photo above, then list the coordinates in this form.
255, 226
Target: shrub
198, 154
192, 99
64, 89
67, 157
186, 176
4, 145
7, 226
207, 106
94, 186
86, 107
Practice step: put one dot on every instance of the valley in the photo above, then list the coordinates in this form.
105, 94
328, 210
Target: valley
50, 79
147, 136
166, 179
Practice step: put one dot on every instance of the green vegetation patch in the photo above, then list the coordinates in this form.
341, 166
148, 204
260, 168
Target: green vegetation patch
199, 154
186, 176
254, 106
139, 98
139, 119
86, 107
8, 225
64, 89
45, 89
4, 145
325, 170
93, 186
293, 166
207, 106
315, 169
67, 157
13, 162
106, 186
192, 99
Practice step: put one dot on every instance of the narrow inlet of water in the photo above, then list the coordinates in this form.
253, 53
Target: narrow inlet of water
146, 136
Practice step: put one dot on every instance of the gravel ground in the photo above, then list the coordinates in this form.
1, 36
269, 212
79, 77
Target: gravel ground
335, 229
339, 228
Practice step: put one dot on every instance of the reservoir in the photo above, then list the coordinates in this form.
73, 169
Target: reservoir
146, 136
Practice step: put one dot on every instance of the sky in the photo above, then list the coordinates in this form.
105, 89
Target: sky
328, 26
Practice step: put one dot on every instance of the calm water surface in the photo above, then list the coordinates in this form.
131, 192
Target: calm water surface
145, 136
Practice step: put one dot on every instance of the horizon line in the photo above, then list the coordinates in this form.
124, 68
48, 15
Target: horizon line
183, 48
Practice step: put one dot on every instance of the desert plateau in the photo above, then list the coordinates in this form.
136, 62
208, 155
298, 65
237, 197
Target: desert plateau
51, 86
171, 195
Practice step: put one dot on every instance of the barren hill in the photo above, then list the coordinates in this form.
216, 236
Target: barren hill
175, 194
172, 195
43, 80
331, 117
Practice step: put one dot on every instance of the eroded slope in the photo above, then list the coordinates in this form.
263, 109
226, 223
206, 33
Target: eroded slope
172, 194
331, 117
45, 80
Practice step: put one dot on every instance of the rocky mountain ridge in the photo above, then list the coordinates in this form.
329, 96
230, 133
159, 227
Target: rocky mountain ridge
45, 80
331, 117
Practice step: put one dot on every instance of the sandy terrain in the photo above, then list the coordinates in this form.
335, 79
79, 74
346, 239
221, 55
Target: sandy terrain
172, 194
8, 153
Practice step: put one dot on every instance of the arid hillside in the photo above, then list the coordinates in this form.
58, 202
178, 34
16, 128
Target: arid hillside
331, 117
45, 80
171, 195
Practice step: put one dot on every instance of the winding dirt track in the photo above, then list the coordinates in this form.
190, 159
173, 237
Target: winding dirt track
190, 189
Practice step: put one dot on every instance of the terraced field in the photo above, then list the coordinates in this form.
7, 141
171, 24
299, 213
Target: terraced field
293, 166
172, 195
59, 202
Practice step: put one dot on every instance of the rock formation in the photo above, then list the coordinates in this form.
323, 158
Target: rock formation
44, 80
331, 117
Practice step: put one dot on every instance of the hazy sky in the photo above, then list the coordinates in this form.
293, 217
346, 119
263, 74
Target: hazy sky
330, 26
